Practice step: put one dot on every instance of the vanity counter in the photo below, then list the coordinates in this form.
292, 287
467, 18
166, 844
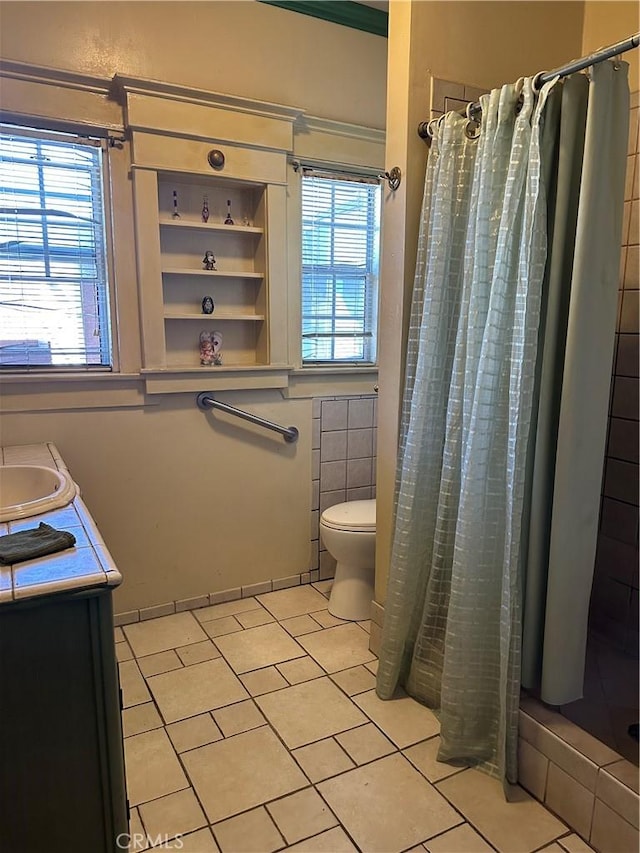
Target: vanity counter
85, 566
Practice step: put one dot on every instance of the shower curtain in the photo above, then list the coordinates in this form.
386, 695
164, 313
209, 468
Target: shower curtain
490, 293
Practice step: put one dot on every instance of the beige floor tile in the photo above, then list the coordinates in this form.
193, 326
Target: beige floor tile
294, 601
123, 652
198, 652
365, 625
259, 647
193, 689
194, 732
118, 635
160, 662
373, 666
332, 841
302, 669
134, 689
301, 815
263, 681
252, 832
176, 814
253, 618
221, 627
324, 618
322, 760
159, 635
137, 834
462, 839
238, 718
413, 810
153, 769
229, 608
338, 648
199, 842
354, 680
309, 711
299, 625
574, 844
511, 827
324, 587
241, 772
554, 847
423, 757
402, 719
365, 744
140, 718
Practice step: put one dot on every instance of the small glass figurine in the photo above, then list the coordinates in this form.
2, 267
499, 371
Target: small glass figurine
176, 215
205, 209
209, 261
228, 220
206, 349
207, 305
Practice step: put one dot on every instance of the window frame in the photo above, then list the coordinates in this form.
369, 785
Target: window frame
57, 131
325, 171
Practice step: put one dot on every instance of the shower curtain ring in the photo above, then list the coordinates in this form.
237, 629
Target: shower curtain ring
536, 82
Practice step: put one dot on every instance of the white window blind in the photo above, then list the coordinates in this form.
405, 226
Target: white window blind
340, 256
54, 305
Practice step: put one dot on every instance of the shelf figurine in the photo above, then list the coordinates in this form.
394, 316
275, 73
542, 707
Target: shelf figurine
206, 349
216, 343
176, 215
209, 261
205, 209
228, 220
207, 305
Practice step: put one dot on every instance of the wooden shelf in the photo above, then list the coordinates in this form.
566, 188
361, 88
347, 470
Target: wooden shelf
212, 273
210, 226
212, 317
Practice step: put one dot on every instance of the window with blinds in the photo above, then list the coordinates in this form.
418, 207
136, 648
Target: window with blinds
340, 256
54, 300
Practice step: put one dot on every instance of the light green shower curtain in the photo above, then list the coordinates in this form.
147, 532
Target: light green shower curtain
453, 614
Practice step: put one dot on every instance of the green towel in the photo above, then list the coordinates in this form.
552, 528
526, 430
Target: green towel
37, 542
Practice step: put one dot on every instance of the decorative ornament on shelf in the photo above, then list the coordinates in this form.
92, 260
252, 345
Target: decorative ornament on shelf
205, 209
209, 261
246, 221
207, 305
216, 343
176, 215
206, 349
228, 220
210, 348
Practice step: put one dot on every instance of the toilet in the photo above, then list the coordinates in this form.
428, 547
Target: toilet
348, 531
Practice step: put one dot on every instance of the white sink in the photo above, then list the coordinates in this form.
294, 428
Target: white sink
27, 490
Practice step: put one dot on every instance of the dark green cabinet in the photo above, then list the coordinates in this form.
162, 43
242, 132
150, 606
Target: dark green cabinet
62, 783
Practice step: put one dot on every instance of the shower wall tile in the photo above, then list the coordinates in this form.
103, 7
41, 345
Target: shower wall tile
334, 414
333, 446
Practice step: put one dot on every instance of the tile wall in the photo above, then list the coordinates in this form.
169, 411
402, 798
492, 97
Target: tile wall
343, 463
614, 602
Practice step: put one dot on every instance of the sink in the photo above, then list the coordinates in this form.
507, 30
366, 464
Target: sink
27, 490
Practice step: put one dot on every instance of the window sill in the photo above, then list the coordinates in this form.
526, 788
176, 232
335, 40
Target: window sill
332, 381
40, 392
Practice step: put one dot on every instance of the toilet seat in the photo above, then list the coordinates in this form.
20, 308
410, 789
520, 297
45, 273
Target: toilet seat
354, 516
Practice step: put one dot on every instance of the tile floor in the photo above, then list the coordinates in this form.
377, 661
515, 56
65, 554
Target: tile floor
254, 726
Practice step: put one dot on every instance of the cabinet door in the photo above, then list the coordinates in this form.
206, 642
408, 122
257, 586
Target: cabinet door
61, 772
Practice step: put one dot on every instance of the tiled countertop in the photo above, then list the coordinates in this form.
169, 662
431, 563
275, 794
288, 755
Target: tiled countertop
88, 564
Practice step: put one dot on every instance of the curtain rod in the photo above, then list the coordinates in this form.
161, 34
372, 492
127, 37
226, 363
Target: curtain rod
544, 76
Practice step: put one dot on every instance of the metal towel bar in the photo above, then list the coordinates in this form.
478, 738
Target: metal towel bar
290, 434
